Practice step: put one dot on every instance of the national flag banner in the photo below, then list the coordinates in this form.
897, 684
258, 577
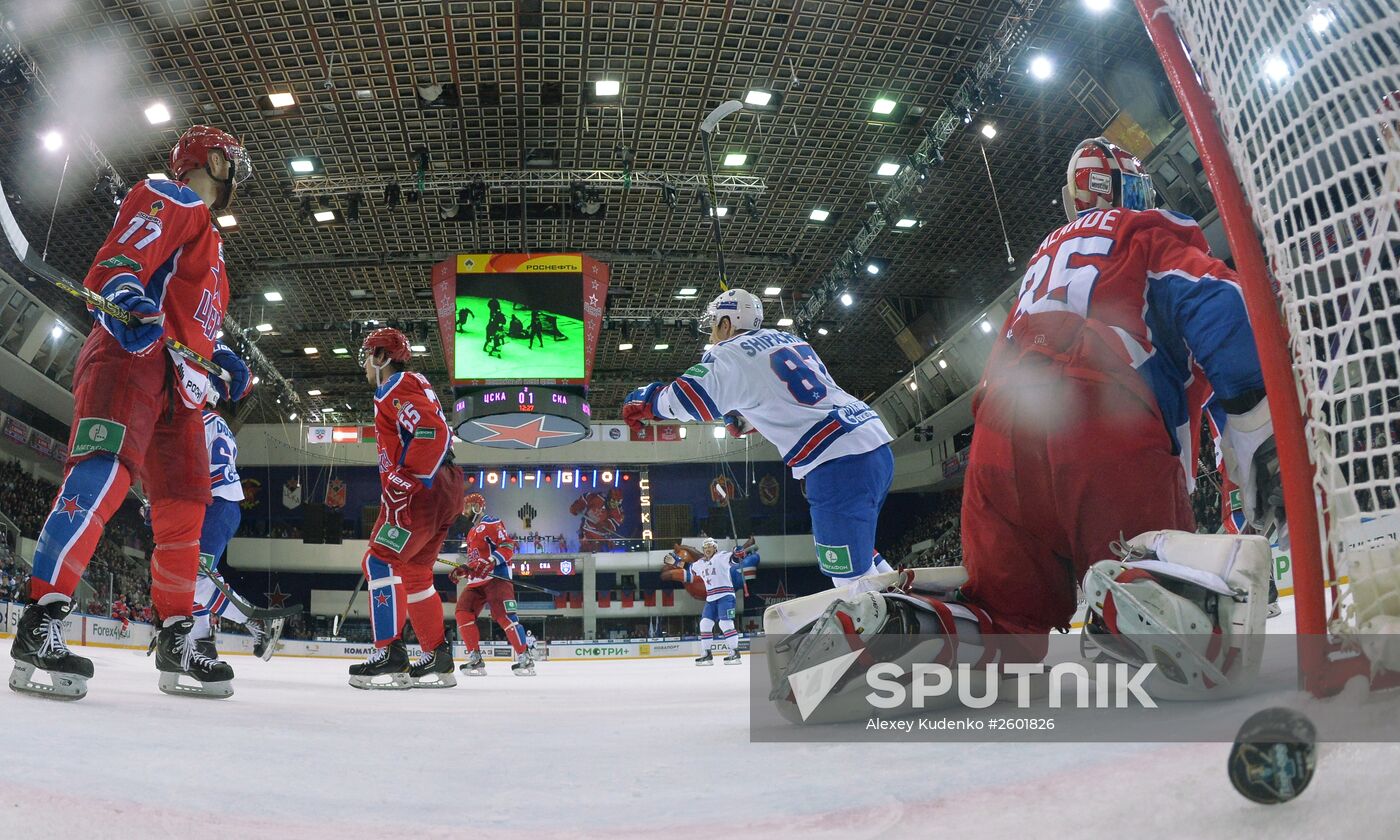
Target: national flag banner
318, 434
345, 434
367, 434
15, 430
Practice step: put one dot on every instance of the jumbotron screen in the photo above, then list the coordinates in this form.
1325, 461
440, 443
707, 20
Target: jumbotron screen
521, 318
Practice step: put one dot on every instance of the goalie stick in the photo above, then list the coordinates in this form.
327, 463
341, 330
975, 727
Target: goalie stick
546, 590
38, 269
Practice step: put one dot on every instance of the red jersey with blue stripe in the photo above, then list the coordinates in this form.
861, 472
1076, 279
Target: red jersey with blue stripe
164, 241
778, 383
409, 426
490, 540
1159, 307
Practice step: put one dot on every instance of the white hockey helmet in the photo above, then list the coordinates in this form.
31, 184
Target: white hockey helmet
710, 544
1102, 176
743, 309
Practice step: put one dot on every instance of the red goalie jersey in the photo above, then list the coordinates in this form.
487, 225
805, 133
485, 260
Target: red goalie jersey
488, 540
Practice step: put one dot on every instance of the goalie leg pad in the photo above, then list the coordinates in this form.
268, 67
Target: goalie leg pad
1192, 604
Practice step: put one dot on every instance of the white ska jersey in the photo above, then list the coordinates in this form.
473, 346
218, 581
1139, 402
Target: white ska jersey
778, 383
714, 571
223, 455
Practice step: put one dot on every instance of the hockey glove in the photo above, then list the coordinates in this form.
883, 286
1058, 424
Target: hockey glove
737, 425
640, 406
398, 491
480, 567
146, 327
457, 574
241, 379
1251, 460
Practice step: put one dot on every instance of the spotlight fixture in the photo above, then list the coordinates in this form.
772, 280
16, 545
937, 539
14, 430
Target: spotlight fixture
304, 209
393, 194
989, 131
668, 194
53, 141
1041, 68
352, 206
157, 113
750, 205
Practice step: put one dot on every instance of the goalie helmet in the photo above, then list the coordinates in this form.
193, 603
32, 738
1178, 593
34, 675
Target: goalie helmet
1102, 176
744, 311
388, 339
710, 544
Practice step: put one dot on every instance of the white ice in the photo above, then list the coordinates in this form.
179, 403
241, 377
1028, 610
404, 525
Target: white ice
601, 749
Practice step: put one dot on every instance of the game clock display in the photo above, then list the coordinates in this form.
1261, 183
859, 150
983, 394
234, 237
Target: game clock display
520, 417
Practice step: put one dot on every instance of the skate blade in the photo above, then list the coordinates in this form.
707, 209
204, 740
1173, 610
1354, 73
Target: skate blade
64, 687
442, 681
524, 672
472, 672
397, 682
703, 664
274, 634
728, 661
170, 684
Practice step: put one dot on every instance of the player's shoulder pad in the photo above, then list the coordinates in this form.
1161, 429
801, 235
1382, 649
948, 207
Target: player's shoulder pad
489, 520
174, 191
1171, 223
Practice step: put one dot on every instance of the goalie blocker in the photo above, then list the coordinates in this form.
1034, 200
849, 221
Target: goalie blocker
1192, 605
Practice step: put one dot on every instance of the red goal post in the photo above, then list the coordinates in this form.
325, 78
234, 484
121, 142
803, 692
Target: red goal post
1293, 109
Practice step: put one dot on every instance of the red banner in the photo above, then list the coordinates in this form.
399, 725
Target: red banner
15, 430
666, 433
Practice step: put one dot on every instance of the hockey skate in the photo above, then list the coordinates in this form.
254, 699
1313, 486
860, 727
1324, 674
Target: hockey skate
733, 657
178, 655
265, 635
1274, 609
475, 666
707, 659
524, 665
390, 662
434, 668
39, 645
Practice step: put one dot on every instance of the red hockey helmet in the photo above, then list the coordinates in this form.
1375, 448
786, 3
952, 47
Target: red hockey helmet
388, 339
191, 152
1102, 176
474, 502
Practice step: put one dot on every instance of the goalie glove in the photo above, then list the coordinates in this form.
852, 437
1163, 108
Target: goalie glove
738, 425
397, 493
1251, 459
640, 406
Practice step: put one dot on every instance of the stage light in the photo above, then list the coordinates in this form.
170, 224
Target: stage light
418, 348
56, 332
607, 87
986, 326
157, 113
735, 159
292, 416
846, 299
819, 215
942, 364
264, 328
626, 345
717, 432
281, 100
683, 432
1042, 68
314, 392
784, 322
913, 386
758, 98
883, 106
157, 176
272, 297
607, 476
823, 331
1276, 68
227, 221
53, 141
888, 169
492, 478
989, 131
662, 347
303, 166
310, 351
906, 223
772, 291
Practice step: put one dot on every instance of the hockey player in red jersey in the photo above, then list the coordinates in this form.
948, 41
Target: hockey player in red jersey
601, 518
1082, 441
420, 496
137, 414
488, 550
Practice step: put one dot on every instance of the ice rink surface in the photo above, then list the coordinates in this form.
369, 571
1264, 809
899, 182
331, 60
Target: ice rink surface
593, 749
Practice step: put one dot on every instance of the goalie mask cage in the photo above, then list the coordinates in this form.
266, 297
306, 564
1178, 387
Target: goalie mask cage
1293, 106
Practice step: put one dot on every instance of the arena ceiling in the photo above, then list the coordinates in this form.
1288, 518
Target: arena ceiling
523, 72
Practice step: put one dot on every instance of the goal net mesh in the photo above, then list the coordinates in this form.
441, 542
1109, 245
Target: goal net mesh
1306, 96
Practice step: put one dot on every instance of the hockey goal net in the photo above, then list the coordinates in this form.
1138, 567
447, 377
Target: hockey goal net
1297, 103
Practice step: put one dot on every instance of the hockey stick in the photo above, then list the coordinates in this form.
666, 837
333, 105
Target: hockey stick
38, 269
546, 590
340, 619
707, 127
733, 529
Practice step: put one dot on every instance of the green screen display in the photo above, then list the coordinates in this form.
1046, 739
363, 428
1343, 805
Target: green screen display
519, 327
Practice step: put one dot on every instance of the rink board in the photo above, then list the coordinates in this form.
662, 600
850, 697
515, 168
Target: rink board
107, 632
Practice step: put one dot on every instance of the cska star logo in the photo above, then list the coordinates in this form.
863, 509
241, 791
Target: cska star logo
70, 506
381, 600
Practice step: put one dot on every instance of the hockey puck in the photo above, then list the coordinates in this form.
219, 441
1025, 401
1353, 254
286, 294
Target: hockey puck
1274, 756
